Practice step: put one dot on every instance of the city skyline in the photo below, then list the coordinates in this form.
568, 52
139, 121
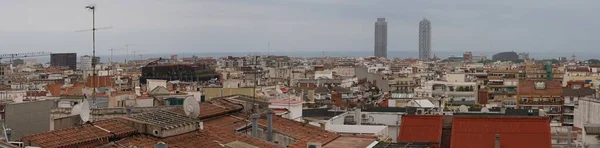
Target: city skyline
157, 26
380, 42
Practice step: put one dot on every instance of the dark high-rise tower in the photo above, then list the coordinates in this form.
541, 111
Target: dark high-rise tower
424, 39
64, 60
381, 38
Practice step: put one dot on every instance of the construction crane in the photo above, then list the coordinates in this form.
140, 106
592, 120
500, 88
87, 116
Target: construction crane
111, 53
23, 55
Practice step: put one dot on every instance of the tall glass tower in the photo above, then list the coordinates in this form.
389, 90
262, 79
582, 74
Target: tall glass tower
424, 39
381, 38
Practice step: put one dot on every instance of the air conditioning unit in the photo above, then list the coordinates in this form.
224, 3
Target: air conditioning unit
313, 145
364, 116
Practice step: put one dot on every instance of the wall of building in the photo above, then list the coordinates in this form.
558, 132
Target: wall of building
144, 102
28, 117
587, 112
152, 83
295, 109
384, 118
66, 122
344, 71
455, 77
327, 74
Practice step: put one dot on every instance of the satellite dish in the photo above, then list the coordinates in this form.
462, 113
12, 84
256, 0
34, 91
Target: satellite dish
85, 111
485, 110
76, 109
191, 107
463, 109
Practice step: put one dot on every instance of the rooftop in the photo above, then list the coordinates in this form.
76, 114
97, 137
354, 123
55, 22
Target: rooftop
515, 132
550, 88
91, 135
421, 128
579, 92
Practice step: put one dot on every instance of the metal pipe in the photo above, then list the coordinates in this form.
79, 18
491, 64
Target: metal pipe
254, 125
497, 141
270, 125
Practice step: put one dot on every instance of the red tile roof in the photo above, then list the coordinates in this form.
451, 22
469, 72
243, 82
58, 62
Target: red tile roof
421, 128
301, 132
205, 138
85, 135
54, 89
527, 87
515, 132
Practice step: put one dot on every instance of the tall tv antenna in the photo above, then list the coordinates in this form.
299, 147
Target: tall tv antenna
93, 9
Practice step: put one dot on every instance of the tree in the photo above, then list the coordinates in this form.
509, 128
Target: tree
460, 88
593, 61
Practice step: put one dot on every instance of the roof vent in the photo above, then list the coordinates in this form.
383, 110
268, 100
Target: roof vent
313, 145
160, 145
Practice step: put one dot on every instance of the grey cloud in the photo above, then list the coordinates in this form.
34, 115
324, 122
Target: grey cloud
310, 25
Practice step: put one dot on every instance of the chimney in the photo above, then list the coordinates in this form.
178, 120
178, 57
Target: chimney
138, 91
270, 125
254, 125
497, 141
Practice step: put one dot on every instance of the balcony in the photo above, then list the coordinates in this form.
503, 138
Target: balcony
568, 112
572, 104
568, 121
503, 92
540, 102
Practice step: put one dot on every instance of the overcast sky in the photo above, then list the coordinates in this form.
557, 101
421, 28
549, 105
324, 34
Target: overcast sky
176, 26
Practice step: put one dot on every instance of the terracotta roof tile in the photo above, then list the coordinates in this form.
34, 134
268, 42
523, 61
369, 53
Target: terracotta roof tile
553, 88
478, 132
301, 132
85, 135
54, 89
211, 136
421, 128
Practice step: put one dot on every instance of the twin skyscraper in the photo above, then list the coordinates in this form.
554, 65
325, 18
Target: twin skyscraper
424, 39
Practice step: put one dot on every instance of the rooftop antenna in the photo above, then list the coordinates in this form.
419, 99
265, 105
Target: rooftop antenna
191, 107
93, 8
84, 114
76, 109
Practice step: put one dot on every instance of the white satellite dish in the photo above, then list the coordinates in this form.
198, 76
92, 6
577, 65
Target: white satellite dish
485, 110
191, 107
76, 109
85, 111
463, 109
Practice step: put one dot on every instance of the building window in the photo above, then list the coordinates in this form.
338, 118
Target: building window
524, 99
